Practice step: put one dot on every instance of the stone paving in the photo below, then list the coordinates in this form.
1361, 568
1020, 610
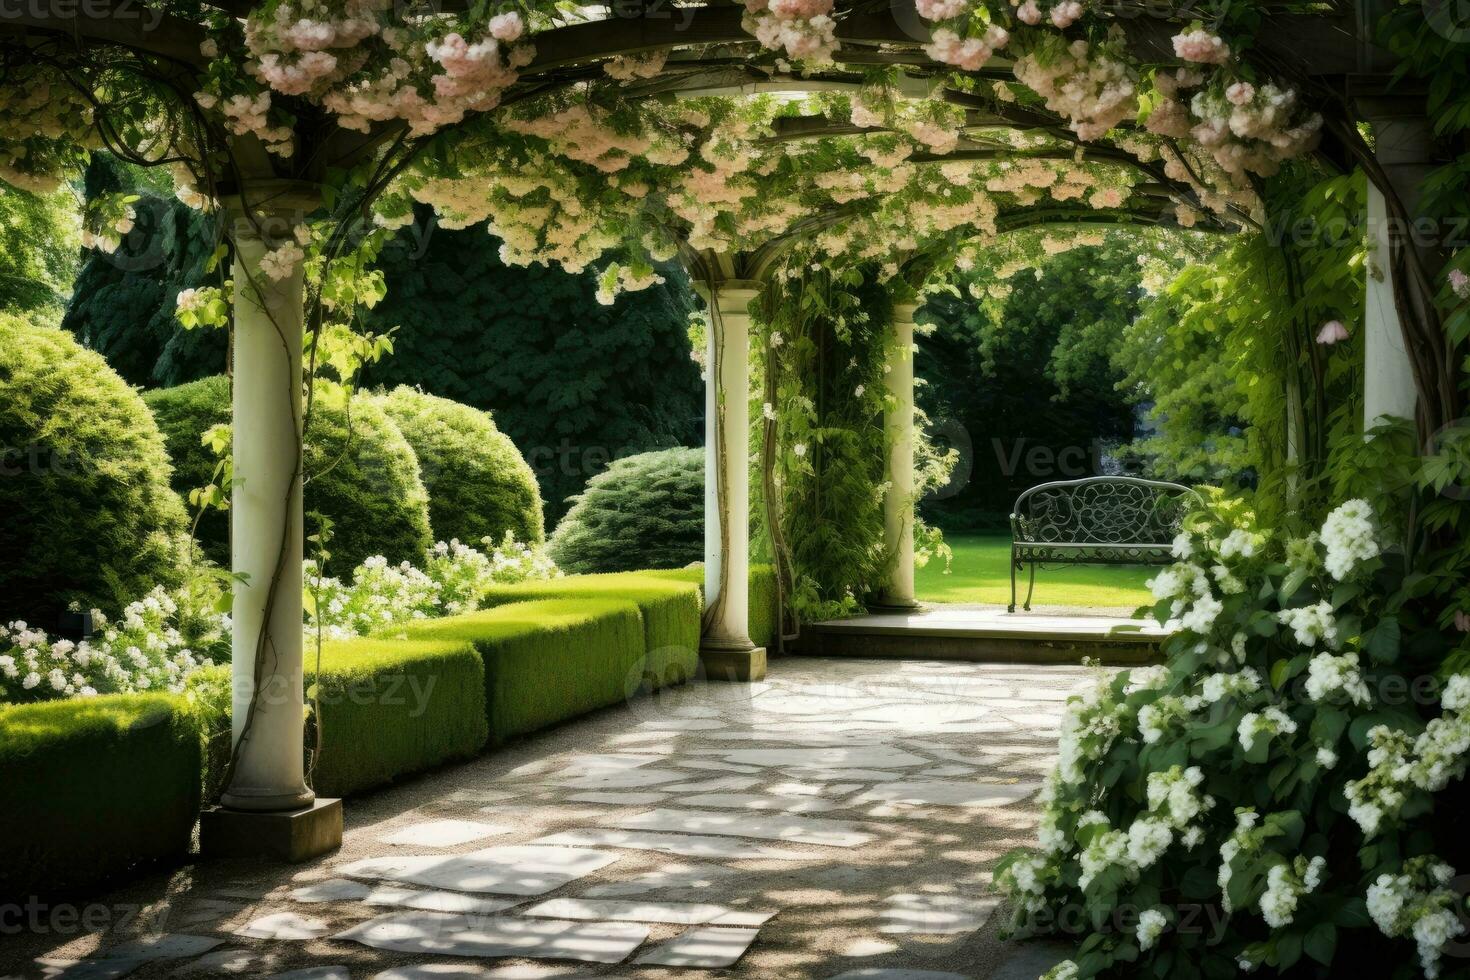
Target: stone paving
840, 819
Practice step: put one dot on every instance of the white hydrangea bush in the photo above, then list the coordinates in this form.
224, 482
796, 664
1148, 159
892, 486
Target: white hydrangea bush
454, 579
155, 645
1283, 793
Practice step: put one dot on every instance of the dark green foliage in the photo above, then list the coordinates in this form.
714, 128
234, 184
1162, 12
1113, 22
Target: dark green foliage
362, 475
88, 512
94, 788
1024, 387
394, 707
123, 304
548, 660
478, 484
761, 597
670, 609
574, 383
643, 511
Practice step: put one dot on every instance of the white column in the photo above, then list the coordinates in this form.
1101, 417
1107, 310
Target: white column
266, 515
1388, 376
898, 432
726, 649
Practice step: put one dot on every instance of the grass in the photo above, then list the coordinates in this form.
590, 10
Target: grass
980, 573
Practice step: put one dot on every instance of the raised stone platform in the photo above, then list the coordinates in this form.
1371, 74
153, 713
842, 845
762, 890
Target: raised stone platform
987, 634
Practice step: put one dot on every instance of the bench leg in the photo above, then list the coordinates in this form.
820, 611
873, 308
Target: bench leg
1012, 607
1031, 588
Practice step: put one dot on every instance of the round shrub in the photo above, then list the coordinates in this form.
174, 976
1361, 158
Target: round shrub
363, 476
84, 488
479, 485
643, 511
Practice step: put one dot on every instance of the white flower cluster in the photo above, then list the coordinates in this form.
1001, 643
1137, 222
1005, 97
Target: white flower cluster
1311, 624
1090, 722
1269, 721
1328, 675
1418, 903
1399, 761
454, 580
145, 651
1285, 885
1244, 840
1024, 880
1151, 925
1350, 537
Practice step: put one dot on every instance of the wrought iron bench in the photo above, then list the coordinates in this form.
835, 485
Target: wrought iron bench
1100, 520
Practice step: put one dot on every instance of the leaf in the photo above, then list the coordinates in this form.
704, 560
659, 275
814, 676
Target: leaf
1382, 642
1321, 942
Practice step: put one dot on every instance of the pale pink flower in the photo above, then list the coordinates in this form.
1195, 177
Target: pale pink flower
1462, 621
1029, 13
1460, 283
506, 27
1332, 332
1065, 14
1240, 93
1201, 47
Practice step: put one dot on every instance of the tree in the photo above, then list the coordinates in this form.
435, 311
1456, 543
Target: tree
574, 383
39, 250
1019, 366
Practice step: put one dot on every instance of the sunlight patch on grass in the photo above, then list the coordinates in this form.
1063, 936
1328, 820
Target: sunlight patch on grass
980, 574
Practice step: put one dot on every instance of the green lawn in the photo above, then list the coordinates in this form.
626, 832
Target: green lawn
979, 573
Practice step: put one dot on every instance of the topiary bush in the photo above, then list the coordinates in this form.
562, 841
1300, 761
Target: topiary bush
643, 511
361, 473
89, 515
479, 485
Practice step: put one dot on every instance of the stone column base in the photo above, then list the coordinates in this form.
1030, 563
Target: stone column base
727, 664
292, 836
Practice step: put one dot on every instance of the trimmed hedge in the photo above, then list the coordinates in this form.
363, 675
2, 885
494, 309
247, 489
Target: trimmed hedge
478, 483
93, 788
393, 707
670, 611
547, 660
367, 484
765, 618
643, 511
84, 482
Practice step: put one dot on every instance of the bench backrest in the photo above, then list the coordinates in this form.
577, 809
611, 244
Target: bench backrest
1103, 510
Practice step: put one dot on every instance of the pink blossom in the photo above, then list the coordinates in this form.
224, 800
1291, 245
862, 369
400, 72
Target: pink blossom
1462, 621
1240, 93
941, 9
1065, 14
1332, 332
1029, 13
1201, 47
506, 27
1460, 283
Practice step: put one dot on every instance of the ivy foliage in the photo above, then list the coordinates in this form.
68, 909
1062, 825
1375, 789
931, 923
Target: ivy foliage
39, 250
643, 511
361, 473
574, 383
89, 516
1016, 370
478, 484
123, 303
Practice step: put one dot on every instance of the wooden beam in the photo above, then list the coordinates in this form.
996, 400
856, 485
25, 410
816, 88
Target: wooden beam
123, 23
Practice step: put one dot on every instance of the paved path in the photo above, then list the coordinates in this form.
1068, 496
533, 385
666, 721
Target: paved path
840, 819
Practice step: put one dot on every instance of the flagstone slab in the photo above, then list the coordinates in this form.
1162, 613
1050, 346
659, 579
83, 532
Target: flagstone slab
622, 778
331, 890
863, 948
845, 775
684, 724
671, 879
619, 799
315, 973
948, 793
449, 934
684, 845
710, 948
438, 901
255, 962
760, 802
925, 914
840, 757
444, 833
621, 910
508, 870
716, 785
284, 925
800, 830
718, 766
166, 946
88, 969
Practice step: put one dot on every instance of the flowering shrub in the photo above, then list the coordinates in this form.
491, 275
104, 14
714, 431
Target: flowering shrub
453, 580
154, 646
1283, 768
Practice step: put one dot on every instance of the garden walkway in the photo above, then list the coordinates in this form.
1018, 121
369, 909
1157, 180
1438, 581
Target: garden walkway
841, 818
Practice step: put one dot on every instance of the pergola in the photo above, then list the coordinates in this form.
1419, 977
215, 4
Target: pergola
709, 53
